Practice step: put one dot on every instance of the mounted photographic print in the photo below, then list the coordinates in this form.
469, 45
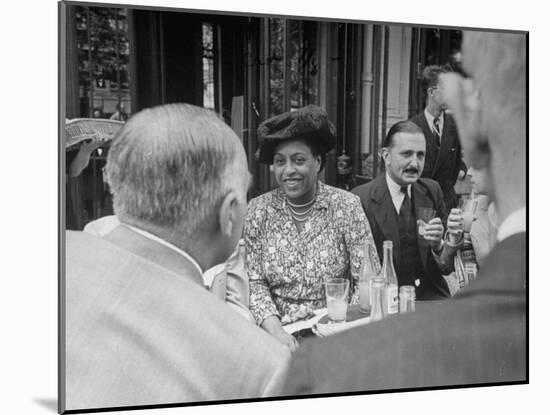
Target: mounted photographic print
259, 207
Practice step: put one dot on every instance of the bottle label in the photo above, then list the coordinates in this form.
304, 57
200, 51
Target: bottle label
392, 299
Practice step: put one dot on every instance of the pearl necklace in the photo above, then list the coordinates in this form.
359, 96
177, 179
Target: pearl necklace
301, 216
301, 206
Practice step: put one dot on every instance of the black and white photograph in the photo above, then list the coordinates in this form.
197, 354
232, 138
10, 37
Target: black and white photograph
270, 208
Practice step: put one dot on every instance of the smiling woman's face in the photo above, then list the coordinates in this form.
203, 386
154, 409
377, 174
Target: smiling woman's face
296, 170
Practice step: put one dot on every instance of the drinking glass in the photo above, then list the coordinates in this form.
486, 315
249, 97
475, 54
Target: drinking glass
407, 298
470, 270
424, 216
468, 206
336, 290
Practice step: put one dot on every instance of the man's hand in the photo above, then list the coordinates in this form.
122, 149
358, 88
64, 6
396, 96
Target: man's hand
433, 233
454, 225
82, 158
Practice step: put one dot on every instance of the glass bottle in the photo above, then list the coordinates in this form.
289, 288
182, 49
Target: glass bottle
378, 310
390, 277
367, 274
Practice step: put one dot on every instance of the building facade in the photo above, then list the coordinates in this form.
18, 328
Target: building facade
250, 67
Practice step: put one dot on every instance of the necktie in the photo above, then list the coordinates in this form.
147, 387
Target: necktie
436, 126
405, 209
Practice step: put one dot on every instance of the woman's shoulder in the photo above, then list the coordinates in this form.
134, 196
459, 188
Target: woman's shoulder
263, 200
264, 205
338, 195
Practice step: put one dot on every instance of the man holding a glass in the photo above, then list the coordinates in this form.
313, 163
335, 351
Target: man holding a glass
409, 211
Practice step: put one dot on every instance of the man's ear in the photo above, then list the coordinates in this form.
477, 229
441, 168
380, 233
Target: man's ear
385, 152
227, 216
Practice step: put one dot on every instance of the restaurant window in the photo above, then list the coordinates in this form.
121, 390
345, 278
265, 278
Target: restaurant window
208, 66
103, 49
293, 65
103, 60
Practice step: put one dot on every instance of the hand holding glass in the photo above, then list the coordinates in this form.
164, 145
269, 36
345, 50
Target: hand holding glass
336, 290
424, 216
454, 224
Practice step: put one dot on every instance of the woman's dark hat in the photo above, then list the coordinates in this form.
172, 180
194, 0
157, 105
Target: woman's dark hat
310, 123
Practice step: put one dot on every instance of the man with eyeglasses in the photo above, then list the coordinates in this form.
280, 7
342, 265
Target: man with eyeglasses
443, 161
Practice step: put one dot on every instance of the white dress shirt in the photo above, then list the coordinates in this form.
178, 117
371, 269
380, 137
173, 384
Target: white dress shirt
396, 194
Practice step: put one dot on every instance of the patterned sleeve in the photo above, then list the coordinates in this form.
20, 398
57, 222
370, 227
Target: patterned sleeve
357, 232
261, 303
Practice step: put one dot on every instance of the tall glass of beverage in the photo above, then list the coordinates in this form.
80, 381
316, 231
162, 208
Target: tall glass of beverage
337, 290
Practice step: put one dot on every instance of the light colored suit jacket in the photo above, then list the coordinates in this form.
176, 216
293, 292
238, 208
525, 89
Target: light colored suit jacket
141, 329
229, 282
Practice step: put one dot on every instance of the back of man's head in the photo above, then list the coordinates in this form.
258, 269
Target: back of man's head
497, 63
430, 76
171, 165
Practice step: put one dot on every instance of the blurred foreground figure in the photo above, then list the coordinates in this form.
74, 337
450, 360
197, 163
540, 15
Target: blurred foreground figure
141, 328
479, 336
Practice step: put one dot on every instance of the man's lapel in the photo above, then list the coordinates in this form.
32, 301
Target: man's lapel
384, 213
154, 251
432, 143
422, 199
445, 145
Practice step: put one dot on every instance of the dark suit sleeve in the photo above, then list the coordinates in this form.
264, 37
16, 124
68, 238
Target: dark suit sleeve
439, 202
459, 161
445, 261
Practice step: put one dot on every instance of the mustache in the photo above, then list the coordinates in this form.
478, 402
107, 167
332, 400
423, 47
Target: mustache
411, 170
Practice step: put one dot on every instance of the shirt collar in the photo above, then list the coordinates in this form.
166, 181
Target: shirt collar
430, 118
169, 245
394, 188
213, 272
514, 223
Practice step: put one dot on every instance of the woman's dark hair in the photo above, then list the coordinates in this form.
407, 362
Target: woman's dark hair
314, 146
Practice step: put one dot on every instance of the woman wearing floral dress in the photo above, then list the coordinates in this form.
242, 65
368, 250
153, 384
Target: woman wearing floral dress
305, 231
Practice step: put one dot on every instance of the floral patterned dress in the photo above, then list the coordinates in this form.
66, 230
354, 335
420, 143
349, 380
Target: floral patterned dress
287, 269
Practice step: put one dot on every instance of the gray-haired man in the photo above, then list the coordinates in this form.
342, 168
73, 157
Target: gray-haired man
141, 329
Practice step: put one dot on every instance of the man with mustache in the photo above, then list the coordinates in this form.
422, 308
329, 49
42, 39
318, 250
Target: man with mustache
391, 202
480, 336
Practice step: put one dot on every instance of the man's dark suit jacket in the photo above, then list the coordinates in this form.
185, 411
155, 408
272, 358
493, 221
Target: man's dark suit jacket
478, 336
380, 210
442, 162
